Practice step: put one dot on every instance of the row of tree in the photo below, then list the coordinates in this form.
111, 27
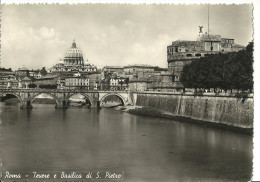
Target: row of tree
225, 71
33, 85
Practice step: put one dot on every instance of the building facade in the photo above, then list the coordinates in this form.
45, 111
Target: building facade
6, 75
181, 53
50, 81
77, 83
22, 72
138, 68
118, 83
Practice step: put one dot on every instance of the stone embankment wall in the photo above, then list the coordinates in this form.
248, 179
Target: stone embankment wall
221, 108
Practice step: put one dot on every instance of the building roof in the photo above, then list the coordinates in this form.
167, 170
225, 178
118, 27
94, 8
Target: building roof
14, 81
5, 69
138, 80
80, 77
60, 62
186, 43
238, 46
227, 39
47, 77
115, 68
160, 69
209, 37
139, 66
26, 79
23, 69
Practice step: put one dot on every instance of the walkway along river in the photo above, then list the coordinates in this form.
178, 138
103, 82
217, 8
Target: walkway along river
144, 148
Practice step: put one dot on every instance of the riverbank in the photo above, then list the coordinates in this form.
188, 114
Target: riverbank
155, 113
110, 104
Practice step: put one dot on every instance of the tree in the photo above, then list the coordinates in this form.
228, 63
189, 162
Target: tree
43, 71
32, 85
225, 71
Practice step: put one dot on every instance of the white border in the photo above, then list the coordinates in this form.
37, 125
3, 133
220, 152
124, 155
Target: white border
256, 174
131, 1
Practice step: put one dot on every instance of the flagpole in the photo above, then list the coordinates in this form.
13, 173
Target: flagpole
208, 19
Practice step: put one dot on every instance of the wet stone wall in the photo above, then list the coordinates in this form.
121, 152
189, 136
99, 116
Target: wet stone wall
228, 110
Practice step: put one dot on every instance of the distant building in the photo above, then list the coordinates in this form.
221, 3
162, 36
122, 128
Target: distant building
181, 53
94, 81
25, 82
77, 82
48, 80
112, 69
22, 72
138, 68
35, 73
118, 83
139, 85
164, 82
5, 76
73, 62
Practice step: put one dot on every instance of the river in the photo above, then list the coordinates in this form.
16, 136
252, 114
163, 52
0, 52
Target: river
141, 148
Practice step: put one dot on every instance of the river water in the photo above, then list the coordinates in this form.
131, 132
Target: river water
140, 148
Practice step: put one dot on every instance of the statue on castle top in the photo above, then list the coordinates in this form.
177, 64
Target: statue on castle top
200, 27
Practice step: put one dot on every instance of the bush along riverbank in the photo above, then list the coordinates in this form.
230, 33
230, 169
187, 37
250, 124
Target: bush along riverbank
153, 112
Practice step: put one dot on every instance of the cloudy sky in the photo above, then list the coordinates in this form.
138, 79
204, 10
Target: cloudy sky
37, 36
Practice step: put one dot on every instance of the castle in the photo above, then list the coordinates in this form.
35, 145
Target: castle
181, 53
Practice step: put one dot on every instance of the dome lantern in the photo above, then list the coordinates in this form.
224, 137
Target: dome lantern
74, 44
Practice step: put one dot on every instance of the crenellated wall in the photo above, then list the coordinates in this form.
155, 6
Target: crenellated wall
222, 108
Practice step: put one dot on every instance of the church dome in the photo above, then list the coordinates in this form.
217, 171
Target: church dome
73, 56
60, 61
73, 52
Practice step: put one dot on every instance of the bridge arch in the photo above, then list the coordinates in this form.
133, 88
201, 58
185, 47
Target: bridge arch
16, 95
85, 95
52, 95
113, 94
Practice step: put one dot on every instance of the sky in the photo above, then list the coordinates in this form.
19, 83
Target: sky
36, 36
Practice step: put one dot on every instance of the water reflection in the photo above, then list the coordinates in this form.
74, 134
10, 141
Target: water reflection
147, 149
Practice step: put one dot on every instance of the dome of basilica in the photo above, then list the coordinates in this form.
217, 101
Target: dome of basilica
73, 62
74, 56
73, 52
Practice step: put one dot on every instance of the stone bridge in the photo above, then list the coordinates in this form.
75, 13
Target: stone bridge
62, 96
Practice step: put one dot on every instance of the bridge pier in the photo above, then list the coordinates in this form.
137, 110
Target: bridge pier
61, 105
98, 104
26, 105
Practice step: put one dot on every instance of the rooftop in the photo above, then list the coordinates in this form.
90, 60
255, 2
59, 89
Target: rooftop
23, 69
139, 65
209, 37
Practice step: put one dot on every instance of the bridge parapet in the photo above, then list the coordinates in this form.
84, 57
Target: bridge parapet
61, 96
